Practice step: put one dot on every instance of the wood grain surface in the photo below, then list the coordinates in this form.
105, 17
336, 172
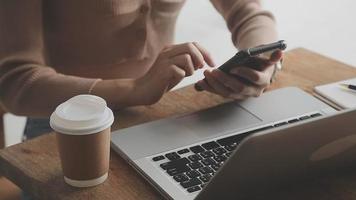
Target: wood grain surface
35, 165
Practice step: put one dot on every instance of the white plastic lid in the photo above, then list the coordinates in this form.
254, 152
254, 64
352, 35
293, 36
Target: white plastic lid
82, 115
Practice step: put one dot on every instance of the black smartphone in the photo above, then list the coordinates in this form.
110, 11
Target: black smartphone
245, 55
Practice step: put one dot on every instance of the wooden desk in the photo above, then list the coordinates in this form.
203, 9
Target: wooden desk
35, 165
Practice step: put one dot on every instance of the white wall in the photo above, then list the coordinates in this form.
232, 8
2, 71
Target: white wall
325, 26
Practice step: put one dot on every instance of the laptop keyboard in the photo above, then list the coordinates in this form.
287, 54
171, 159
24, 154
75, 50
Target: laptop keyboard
194, 166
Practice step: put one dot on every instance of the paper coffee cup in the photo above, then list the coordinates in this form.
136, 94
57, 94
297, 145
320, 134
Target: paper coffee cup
82, 124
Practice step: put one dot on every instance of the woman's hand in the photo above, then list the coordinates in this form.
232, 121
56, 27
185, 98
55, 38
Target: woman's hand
172, 65
243, 81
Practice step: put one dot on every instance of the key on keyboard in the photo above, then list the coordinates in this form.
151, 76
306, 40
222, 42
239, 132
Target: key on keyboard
180, 178
195, 165
174, 163
220, 158
205, 170
172, 156
193, 189
157, 158
219, 151
183, 151
194, 157
205, 177
193, 174
207, 154
197, 149
210, 145
178, 170
190, 183
208, 161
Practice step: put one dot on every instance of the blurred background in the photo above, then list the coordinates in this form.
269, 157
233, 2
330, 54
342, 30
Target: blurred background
324, 26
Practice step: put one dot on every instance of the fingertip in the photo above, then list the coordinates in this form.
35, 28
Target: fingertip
206, 72
201, 64
197, 63
206, 55
276, 55
211, 62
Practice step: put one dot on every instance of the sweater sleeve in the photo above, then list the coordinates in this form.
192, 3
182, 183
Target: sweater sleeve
249, 24
27, 86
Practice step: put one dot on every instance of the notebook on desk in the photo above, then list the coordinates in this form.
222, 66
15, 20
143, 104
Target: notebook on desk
337, 95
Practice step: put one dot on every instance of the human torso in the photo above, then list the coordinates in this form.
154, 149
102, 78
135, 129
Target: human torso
107, 38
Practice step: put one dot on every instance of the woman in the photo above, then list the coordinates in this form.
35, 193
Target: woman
120, 50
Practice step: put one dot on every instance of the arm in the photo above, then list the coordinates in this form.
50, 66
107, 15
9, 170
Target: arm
27, 85
249, 24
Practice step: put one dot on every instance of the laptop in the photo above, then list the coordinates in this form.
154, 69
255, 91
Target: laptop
250, 145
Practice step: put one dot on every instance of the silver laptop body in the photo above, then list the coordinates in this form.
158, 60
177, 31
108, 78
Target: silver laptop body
180, 155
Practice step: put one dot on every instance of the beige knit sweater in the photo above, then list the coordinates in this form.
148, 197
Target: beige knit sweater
51, 50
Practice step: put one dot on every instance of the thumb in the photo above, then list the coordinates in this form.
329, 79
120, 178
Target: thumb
276, 56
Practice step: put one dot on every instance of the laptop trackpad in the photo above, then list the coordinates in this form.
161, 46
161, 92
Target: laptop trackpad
218, 120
